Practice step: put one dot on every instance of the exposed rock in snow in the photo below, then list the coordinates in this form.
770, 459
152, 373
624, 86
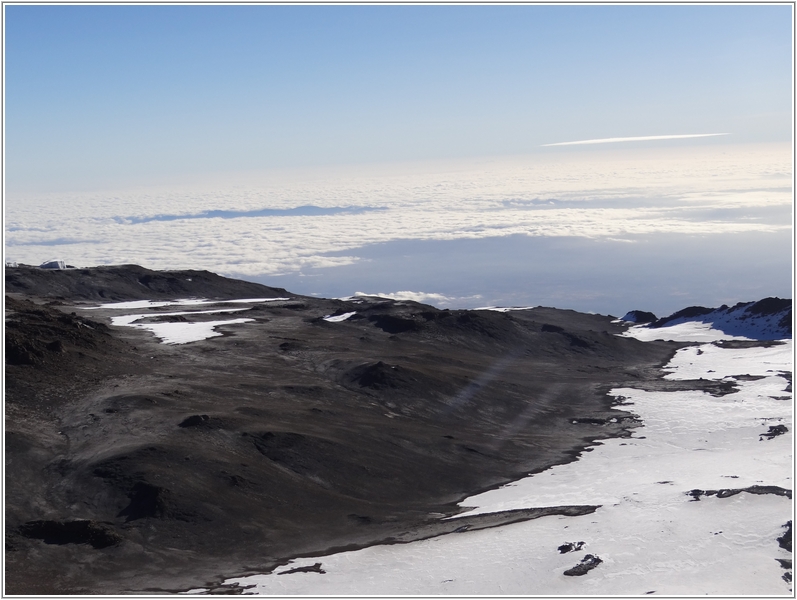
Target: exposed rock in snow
570, 547
587, 563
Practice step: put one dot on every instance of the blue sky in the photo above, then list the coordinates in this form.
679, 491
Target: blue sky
101, 96
337, 149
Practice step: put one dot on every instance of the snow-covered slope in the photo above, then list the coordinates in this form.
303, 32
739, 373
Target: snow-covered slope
767, 319
697, 501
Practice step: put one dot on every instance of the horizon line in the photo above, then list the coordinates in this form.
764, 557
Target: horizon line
634, 139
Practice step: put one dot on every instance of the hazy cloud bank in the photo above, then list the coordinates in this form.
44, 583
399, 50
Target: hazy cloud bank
700, 190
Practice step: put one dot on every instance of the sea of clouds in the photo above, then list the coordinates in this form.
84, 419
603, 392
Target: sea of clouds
290, 223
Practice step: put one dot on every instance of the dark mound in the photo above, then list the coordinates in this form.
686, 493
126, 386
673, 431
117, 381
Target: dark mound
383, 377
98, 535
769, 306
38, 335
393, 324
687, 313
201, 422
586, 565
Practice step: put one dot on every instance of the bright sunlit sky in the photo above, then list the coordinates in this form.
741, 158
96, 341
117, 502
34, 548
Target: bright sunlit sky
427, 124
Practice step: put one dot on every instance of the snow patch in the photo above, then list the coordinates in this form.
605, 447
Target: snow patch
134, 304
339, 318
504, 309
181, 332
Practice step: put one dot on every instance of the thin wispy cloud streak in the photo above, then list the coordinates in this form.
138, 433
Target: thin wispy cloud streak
645, 138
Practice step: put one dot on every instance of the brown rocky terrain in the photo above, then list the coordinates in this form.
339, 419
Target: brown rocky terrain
135, 466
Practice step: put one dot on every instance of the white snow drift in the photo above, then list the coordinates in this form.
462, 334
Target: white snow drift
180, 332
339, 318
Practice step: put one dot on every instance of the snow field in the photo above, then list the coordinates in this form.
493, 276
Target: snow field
651, 535
179, 333
722, 549
689, 331
133, 304
183, 333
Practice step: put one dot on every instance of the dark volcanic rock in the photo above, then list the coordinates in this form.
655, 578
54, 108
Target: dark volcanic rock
753, 489
201, 422
785, 540
36, 335
774, 431
586, 565
394, 324
379, 376
574, 340
98, 535
314, 568
146, 500
570, 547
686, 313
769, 306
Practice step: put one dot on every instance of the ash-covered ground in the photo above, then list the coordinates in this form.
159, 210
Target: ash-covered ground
136, 466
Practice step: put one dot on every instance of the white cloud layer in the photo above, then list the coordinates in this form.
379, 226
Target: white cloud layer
589, 194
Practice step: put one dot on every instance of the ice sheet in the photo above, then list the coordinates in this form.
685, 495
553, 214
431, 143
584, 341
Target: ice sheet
651, 535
